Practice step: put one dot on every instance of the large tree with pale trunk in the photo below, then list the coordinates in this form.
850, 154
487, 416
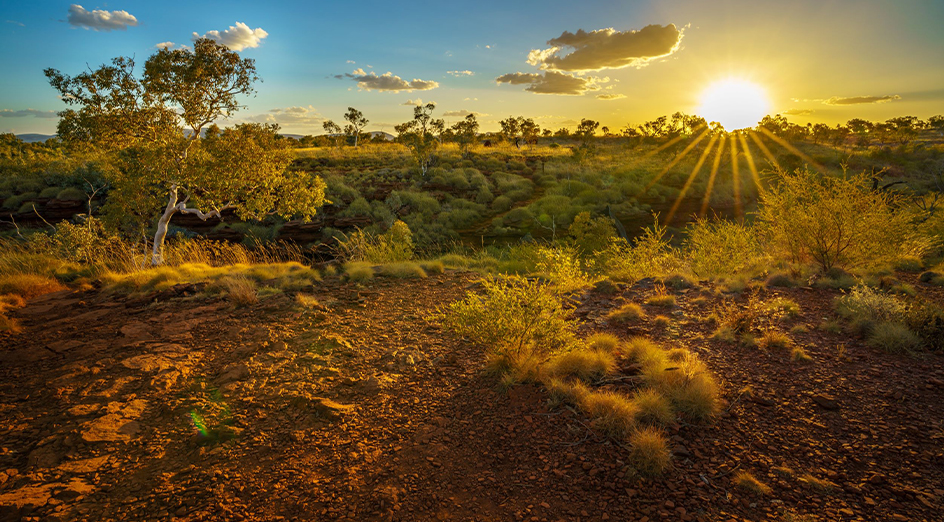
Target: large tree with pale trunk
153, 129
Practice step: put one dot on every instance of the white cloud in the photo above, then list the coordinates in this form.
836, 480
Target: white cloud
553, 82
100, 20
414, 103
291, 116
462, 114
8, 113
607, 48
351, 61
461, 73
237, 37
470, 99
388, 82
14, 22
167, 45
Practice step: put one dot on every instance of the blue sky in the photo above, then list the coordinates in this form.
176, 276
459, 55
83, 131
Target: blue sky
802, 53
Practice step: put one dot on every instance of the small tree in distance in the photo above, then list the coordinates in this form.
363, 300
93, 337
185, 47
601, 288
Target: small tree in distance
356, 122
466, 134
333, 130
417, 135
150, 128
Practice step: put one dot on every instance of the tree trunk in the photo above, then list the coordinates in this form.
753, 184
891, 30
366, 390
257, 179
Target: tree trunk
157, 256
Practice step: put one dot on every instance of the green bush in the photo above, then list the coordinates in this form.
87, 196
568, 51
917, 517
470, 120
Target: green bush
71, 194
402, 270
49, 192
894, 338
720, 247
862, 303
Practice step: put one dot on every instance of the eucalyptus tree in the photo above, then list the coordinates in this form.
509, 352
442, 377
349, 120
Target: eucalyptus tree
356, 123
151, 128
418, 135
466, 133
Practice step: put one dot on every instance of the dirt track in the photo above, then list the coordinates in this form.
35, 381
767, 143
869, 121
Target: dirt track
176, 407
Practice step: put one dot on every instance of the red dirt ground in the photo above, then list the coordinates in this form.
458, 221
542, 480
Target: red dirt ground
360, 409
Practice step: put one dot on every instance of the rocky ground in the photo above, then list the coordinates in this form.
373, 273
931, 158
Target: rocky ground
173, 406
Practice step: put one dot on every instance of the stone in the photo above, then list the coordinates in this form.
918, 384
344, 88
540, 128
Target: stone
826, 402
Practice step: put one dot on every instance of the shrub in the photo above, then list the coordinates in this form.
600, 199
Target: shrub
748, 482
782, 305
582, 363
781, 280
591, 234
358, 271
514, 316
654, 408
909, 264
563, 267
678, 281
720, 247
834, 221
927, 320
403, 270
433, 267
72, 194
799, 355
396, 244
661, 298
49, 192
629, 312
894, 338
775, 340
501, 204
649, 451
865, 304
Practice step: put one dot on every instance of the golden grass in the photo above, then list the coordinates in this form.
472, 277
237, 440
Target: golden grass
582, 363
9, 325
663, 300
29, 286
306, 300
358, 271
614, 414
628, 313
775, 340
649, 451
289, 276
685, 381
402, 270
238, 289
749, 482
799, 355
654, 408
661, 321
433, 267
894, 338
603, 342
816, 484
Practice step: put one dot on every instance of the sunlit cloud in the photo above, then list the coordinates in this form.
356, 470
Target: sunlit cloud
415, 103
461, 73
607, 48
610, 96
859, 100
8, 113
462, 114
388, 82
237, 37
797, 112
294, 116
553, 82
100, 20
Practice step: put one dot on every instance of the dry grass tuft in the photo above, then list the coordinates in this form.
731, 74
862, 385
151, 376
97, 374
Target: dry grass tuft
582, 363
603, 342
661, 321
402, 270
816, 484
649, 451
775, 340
433, 267
628, 313
29, 286
783, 471
799, 355
654, 408
238, 289
358, 271
614, 414
894, 338
8, 324
748, 482
306, 300
663, 300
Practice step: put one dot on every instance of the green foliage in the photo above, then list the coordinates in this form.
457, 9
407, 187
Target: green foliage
515, 317
862, 303
591, 234
894, 338
720, 247
835, 221
396, 244
402, 270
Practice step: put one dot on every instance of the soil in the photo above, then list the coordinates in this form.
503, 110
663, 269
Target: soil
175, 406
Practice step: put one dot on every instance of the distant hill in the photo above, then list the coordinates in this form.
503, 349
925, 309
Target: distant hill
33, 138
386, 135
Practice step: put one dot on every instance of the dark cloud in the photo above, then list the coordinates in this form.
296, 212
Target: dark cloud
858, 100
388, 82
553, 82
7, 113
607, 48
100, 20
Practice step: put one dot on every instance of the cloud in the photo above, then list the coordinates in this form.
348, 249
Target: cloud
351, 61
388, 82
294, 116
610, 96
100, 20
415, 103
553, 82
858, 100
14, 22
237, 37
462, 114
7, 113
797, 112
607, 48
461, 73
470, 99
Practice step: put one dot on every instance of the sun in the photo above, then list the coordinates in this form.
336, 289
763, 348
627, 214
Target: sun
734, 103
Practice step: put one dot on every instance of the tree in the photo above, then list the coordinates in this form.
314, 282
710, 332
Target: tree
417, 135
466, 133
333, 130
820, 132
151, 128
904, 128
936, 123
529, 130
586, 129
510, 128
356, 121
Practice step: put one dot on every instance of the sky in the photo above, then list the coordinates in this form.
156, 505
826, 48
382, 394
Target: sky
617, 62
